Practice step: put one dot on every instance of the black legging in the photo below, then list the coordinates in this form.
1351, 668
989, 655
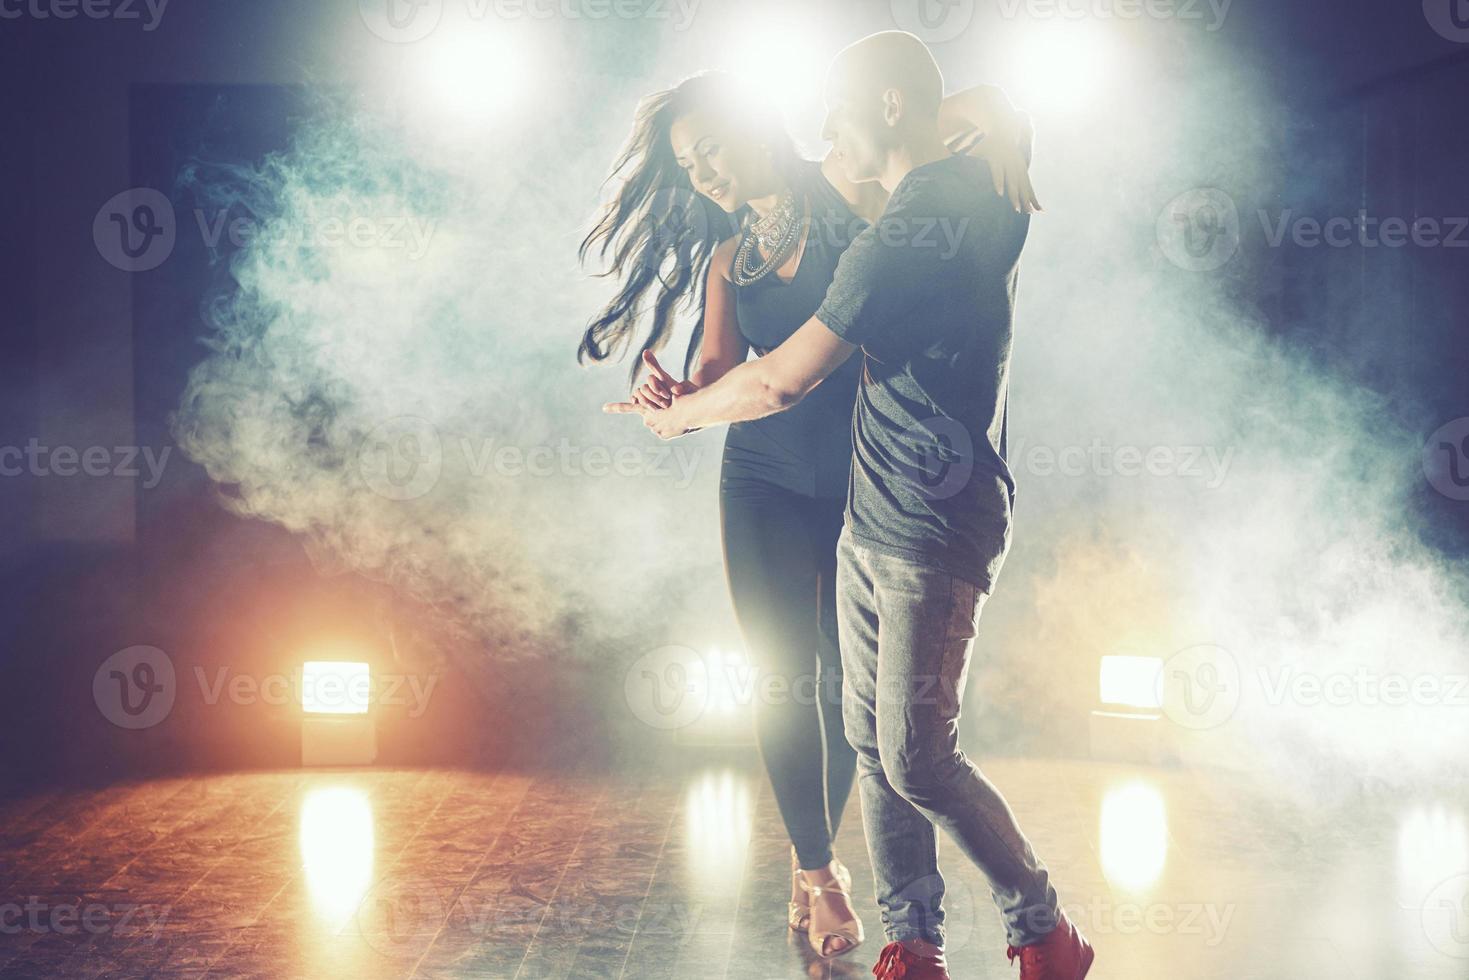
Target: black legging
780, 557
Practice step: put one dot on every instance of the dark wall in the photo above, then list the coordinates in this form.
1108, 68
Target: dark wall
1393, 317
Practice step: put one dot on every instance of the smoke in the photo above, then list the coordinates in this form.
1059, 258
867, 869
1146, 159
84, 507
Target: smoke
1231, 502
1187, 479
391, 376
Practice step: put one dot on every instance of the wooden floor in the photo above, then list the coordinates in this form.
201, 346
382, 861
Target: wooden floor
374, 873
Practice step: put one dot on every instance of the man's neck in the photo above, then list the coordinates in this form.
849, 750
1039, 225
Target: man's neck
909, 156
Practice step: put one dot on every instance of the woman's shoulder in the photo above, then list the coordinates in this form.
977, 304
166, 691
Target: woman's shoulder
721, 260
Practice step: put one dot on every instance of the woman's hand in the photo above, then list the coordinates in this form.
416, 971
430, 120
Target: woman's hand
981, 122
653, 400
660, 389
1005, 149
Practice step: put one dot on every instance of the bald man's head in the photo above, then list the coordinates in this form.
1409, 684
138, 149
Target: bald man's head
891, 60
882, 92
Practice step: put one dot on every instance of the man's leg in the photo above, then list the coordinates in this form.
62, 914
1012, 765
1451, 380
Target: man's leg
900, 840
929, 620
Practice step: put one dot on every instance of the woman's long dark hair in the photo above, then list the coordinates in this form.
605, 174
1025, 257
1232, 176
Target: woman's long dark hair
657, 215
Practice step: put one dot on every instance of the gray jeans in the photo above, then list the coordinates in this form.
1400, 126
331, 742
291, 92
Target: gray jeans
901, 700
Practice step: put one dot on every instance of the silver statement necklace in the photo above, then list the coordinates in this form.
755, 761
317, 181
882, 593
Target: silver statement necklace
776, 234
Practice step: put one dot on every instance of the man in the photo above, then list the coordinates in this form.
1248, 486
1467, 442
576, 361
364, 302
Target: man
928, 294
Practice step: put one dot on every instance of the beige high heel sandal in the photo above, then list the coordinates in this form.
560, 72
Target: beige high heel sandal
849, 931
798, 913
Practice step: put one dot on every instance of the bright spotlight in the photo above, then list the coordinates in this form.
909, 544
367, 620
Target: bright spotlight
336, 687
1131, 681
731, 679
471, 74
1060, 65
772, 51
337, 727
728, 686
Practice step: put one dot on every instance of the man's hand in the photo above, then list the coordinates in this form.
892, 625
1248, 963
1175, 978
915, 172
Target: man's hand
663, 421
749, 390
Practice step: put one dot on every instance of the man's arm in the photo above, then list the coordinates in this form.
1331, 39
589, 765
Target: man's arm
768, 384
755, 389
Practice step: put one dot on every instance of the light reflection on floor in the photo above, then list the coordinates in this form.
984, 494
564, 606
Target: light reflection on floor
673, 873
719, 820
336, 851
1133, 835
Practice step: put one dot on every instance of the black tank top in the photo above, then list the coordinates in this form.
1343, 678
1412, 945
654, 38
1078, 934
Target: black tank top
806, 449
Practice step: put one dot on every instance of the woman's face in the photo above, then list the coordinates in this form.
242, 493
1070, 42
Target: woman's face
723, 165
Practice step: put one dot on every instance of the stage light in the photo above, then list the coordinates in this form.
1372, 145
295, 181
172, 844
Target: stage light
730, 689
1128, 726
471, 73
1058, 66
336, 726
779, 51
1133, 835
1131, 681
731, 681
336, 687
336, 840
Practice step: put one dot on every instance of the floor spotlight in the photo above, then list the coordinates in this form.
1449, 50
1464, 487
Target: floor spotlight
337, 727
1127, 726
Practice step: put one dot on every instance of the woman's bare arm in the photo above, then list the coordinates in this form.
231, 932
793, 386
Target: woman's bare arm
723, 346
980, 121
983, 122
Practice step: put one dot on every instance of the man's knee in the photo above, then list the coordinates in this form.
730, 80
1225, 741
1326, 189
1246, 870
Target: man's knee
921, 774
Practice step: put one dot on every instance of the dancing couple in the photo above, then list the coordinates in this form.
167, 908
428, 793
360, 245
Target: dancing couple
851, 556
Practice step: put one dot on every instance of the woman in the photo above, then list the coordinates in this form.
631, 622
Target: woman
716, 209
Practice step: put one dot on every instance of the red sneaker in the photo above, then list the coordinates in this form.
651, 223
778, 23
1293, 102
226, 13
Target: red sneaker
1064, 954
900, 962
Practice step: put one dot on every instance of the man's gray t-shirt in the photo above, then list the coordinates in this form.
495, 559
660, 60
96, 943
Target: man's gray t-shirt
928, 293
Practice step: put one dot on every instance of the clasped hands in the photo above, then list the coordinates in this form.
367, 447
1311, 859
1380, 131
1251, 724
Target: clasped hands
655, 399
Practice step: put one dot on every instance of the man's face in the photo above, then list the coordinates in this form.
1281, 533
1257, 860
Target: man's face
855, 126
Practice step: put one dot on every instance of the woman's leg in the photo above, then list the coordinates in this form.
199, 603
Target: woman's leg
773, 559
841, 758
